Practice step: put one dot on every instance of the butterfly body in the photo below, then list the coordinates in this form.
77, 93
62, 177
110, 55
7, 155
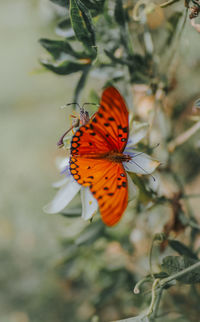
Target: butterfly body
97, 156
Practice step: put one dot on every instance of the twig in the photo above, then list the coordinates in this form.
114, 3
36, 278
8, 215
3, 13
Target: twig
136, 289
183, 137
168, 3
154, 297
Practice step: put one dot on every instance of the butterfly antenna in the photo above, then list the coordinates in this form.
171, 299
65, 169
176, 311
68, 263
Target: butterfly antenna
74, 103
142, 167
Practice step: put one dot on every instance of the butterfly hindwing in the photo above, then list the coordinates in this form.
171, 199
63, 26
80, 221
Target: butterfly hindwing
108, 183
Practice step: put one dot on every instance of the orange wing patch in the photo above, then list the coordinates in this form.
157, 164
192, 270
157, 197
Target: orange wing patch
108, 183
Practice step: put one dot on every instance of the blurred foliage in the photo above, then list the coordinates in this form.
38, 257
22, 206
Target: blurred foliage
151, 52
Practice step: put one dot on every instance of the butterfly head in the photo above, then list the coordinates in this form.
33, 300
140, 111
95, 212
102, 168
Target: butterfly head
82, 119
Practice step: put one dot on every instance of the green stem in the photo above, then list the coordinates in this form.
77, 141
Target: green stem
154, 297
139, 284
150, 259
156, 305
168, 3
190, 196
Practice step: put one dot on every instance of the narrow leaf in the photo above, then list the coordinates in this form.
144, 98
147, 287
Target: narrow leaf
181, 248
95, 6
119, 13
62, 3
65, 68
59, 47
82, 24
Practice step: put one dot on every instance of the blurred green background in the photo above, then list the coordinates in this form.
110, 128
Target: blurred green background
30, 122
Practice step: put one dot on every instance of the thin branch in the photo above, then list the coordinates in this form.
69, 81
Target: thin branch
168, 3
183, 137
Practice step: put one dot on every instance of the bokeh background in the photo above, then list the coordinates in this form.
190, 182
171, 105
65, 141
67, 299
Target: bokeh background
31, 122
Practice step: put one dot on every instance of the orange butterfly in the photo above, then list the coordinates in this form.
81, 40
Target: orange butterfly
97, 156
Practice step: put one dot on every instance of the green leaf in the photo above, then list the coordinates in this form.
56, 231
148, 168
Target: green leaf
64, 29
59, 47
64, 24
181, 248
82, 24
63, 3
119, 13
172, 25
95, 6
174, 264
114, 59
64, 68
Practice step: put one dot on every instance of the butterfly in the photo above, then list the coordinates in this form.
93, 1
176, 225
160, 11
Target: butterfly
97, 156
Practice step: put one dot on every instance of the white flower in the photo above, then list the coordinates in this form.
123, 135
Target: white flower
140, 163
68, 189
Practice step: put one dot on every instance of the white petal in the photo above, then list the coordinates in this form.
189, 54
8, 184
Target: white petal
141, 163
137, 133
61, 182
132, 189
89, 203
62, 163
63, 197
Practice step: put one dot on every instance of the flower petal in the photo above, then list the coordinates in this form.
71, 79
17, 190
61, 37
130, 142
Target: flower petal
62, 163
132, 189
137, 133
60, 183
141, 163
63, 197
89, 203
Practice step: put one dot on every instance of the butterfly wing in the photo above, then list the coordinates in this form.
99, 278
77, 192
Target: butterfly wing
107, 131
108, 183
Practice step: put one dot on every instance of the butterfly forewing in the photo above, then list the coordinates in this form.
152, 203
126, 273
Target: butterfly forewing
112, 119
107, 131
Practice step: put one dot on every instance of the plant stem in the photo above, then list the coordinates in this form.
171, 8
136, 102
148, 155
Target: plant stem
156, 305
168, 3
138, 285
183, 137
154, 297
